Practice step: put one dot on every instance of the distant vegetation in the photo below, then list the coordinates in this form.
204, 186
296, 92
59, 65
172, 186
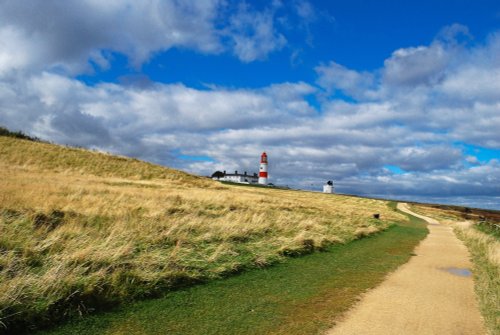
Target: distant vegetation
82, 230
16, 134
462, 213
489, 228
486, 221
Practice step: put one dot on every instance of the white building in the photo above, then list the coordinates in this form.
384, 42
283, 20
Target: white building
328, 187
237, 177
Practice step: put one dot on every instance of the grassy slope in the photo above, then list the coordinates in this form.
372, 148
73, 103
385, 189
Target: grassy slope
46, 157
82, 230
301, 296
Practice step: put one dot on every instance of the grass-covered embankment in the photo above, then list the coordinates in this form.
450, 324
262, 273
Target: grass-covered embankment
485, 253
82, 230
480, 235
303, 295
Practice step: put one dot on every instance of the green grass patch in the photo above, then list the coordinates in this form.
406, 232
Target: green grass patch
302, 295
489, 228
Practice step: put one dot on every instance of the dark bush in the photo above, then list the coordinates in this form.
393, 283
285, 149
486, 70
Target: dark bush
16, 134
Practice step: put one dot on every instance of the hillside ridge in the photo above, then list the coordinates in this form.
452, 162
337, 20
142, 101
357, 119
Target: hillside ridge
58, 158
81, 230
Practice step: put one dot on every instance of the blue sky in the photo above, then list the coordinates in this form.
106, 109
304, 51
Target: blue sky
341, 30
395, 98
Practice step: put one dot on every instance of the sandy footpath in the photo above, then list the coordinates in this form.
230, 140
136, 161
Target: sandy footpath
431, 294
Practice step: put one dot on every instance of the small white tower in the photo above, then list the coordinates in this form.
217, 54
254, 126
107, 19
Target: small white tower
328, 187
263, 169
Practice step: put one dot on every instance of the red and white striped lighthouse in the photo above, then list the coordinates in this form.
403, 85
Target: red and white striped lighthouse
263, 169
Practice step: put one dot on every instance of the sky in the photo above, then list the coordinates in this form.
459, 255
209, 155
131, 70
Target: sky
386, 98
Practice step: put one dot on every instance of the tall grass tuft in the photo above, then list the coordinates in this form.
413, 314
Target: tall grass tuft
485, 252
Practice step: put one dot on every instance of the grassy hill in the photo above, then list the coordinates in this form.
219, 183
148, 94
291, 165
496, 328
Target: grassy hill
81, 230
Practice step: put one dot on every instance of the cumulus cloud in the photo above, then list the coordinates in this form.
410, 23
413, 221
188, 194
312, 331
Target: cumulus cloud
479, 180
334, 76
427, 158
70, 33
112, 117
473, 83
416, 66
410, 113
78, 36
427, 65
444, 88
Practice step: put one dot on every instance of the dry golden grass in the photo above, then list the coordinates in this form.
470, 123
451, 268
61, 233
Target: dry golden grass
485, 252
79, 229
443, 216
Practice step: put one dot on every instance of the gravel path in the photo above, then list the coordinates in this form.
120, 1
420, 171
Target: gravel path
431, 294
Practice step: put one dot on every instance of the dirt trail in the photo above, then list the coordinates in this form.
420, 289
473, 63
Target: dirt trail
431, 294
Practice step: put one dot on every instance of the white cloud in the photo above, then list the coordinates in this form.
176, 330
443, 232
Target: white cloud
473, 83
138, 112
334, 76
305, 10
408, 113
253, 34
15, 50
478, 180
472, 159
454, 34
444, 88
74, 36
415, 66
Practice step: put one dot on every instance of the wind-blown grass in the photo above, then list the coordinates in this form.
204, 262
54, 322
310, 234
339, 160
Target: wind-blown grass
484, 249
304, 295
81, 230
485, 252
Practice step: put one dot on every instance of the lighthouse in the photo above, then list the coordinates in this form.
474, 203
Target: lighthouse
328, 187
263, 169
